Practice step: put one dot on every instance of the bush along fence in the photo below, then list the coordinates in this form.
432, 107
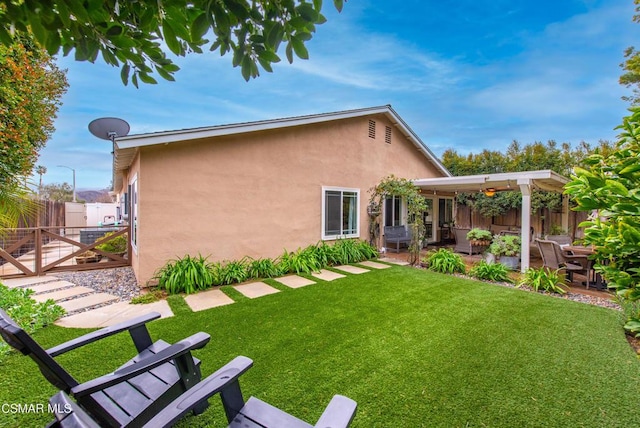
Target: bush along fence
190, 274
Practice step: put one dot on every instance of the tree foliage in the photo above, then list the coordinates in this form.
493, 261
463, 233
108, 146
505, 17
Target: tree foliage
610, 186
631, 66
135, 35
57, 192
31, 87
530, 157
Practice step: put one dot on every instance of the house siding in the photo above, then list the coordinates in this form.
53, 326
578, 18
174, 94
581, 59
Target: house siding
258, 193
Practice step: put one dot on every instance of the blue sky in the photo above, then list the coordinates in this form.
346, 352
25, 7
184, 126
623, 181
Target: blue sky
467, 75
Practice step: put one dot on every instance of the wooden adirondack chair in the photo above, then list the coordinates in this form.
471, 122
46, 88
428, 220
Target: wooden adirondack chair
252, 414
134, 393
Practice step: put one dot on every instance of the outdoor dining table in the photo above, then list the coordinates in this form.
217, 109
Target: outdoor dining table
587, 251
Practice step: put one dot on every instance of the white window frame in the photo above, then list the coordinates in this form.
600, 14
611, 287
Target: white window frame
133, 214
326, 189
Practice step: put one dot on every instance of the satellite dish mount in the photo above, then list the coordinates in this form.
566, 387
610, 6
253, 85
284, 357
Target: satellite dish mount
108, 128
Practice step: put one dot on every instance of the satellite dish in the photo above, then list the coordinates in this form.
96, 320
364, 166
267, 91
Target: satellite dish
108, 128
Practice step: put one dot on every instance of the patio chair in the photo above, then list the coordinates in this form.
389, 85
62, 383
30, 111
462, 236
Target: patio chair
553, 257
463, 245
254, 413
134, 393
560, 239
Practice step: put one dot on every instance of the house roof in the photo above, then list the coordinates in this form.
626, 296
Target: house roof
542, 179
125, 148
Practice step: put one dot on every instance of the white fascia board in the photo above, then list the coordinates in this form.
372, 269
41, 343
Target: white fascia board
223, 130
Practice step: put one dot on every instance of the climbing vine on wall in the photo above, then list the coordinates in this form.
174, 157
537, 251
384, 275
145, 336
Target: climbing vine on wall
416, 204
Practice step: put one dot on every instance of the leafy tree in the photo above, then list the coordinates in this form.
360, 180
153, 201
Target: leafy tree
129, 34
30, 90
535, 156
58, 192
40, 170
631, 66
610, 186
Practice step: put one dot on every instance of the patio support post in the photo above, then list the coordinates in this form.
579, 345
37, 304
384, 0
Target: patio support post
525, 189
565, 213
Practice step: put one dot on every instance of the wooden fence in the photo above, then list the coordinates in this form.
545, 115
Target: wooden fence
37, 250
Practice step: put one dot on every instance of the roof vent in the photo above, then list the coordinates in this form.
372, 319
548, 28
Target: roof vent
387, 134
372, 129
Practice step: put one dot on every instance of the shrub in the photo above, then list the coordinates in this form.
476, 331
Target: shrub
116, 245
26, 312
490, 272
544, 279
300, 261
445, 261
505, 245
477, 234
185, 275
233, 271
263, 268
353, 251
325, 254
150, 297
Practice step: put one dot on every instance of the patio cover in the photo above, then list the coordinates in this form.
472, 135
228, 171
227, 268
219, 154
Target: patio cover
523, 182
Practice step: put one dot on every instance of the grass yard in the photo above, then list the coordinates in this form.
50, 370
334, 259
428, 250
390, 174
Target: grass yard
413, 348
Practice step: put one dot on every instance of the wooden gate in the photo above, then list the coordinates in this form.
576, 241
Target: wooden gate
37, 250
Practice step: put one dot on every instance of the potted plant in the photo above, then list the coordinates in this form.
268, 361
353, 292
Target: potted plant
87, 257
117, 245
479, 237
506, 249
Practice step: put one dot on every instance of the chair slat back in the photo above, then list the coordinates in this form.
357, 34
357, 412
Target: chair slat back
548, 253
20, 340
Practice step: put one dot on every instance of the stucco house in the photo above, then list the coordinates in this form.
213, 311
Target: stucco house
256, 188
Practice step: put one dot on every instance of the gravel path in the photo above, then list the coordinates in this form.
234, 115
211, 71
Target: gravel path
120, 282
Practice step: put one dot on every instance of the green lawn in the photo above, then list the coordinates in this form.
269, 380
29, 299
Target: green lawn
413, 348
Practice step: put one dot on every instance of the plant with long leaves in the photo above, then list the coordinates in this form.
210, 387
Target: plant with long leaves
444, 260
185, 275
544, 279
496, 272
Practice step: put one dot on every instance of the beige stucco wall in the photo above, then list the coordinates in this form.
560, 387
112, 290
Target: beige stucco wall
258, 193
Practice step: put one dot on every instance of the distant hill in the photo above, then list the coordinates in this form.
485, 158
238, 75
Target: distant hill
93, 195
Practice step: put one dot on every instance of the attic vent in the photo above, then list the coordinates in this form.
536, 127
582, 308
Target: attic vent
372, 129
387, 134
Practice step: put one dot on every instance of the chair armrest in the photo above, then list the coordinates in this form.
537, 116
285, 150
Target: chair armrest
580, 259
338, 414
202, 391
183, 347
102, 333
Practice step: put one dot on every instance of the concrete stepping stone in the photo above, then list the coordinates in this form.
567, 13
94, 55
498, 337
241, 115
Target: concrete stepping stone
87, 301
374, 265
207, 300
113, 314
255, 289
394, 261
50, 286
62, 294
351, 269
327, 275
27, 280
294, 281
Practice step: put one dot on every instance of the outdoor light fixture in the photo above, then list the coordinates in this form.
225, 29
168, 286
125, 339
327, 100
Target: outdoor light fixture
489, 191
